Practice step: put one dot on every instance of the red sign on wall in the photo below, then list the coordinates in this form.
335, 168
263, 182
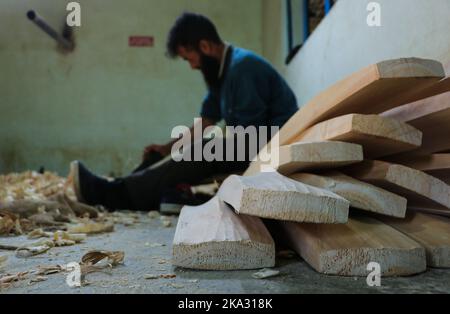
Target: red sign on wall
141, 41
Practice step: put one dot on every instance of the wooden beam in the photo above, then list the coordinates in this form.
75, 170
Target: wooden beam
372, 90
432, 232
432, 117
271, 195
311, 156
436, 165
361, 195
213, 237
379, 136
419, 188
347, 249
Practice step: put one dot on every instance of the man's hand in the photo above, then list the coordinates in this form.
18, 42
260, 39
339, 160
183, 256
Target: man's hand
164, 150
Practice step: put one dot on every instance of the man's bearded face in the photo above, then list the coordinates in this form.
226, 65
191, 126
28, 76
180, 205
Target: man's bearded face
210, 68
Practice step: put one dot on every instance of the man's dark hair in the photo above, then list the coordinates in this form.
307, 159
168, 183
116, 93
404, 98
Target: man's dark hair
189, 29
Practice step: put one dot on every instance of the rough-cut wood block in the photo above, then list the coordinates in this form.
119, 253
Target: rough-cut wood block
361, 195
436, 165
432, 117
379, 136
313, 155
372, 90
432, 232
347, 249
213, 237
271, 195
421, 189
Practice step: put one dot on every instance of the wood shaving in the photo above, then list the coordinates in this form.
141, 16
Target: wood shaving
166, 223
8, 279
91, 228
153, 214
151, 276
49, 270
94, 257
3, 259
265, 273
37, 279
34, 249
152, 245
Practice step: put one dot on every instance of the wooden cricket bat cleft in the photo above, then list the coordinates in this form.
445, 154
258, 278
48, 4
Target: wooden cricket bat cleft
421, 189
429, 112
213, 237
347, 249
360, 194
430, 231
379, 136
317, 155
436, 165
271, 195
311, 155
410, 67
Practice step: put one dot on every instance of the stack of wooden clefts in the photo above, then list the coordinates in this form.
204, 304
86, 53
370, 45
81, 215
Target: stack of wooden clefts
362, 176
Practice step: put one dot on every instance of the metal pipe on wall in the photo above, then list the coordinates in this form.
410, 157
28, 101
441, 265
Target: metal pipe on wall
34, 17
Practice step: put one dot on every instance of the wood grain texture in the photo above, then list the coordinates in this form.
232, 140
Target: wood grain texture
313, 155
379, 136
271, 195
421, 189
361, 195
432, 117
347, 249
432, 232
213, 237
436, 165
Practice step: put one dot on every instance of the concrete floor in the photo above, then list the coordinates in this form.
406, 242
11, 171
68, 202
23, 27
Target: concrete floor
141, 259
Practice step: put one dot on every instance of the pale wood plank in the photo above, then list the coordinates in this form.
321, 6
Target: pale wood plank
271, 195
313, 155
432, 232
347, 249
379, 136
361, 195
436, 165
419, 188
432, 117
213, 237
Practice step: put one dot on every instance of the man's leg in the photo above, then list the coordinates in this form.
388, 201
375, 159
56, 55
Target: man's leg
143, 190
147, 187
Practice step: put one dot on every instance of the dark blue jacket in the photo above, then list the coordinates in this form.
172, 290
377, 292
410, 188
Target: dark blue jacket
252, 93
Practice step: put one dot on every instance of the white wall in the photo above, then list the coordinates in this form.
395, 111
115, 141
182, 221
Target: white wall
343, 43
